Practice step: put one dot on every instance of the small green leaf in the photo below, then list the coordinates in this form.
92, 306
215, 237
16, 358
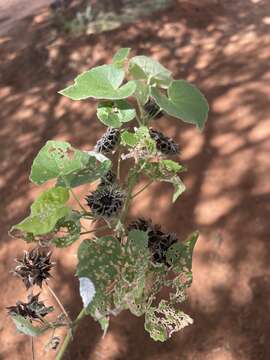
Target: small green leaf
72, 167
120, 56
24, 326
128, 139
179, 187
72, 228
180, 254
184, 102
48, 208
115, 113
101, 82
143, 67
170, 166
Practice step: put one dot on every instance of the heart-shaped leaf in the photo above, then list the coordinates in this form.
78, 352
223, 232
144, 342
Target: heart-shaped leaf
184, 102
101, 82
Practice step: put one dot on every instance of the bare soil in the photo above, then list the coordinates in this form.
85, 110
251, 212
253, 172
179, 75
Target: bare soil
222, 46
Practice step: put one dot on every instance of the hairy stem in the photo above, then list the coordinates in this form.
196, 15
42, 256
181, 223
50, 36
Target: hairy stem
142, 189
58, 302
95, 230
69, 335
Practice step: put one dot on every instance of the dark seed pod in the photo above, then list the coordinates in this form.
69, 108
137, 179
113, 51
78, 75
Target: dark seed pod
158, 241
164, 144
34, 267
152, 109
32, 310
108, 141
108, 179
106, 201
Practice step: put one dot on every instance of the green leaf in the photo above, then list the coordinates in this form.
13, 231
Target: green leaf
72, 229
100, 262
128, 139
143, 67
162, 321
136, 255
120, 56
170, 166
58, 159
184, 102
142, 92
115, 113
179, 187
101, 82
24, 326
180, 254
129, 291
165, 170
48, 208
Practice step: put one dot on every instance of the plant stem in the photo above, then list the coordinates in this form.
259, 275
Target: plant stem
77, 200
59, 303
94, 230
118, 166
69, 335
74, 195
32, 348
142, 189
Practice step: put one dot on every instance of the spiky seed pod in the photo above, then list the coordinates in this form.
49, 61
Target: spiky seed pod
108, 141
32, 310
164, 144
108, 179
152, 109
34, 267
106, 201
158, 241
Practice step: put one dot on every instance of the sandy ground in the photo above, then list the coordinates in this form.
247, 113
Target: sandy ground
223, 47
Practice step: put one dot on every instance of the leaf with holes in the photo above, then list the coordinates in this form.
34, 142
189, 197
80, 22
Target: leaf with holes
162, 321
100, 261
101, 82
48, 208
184, 102
67, 230
72, 167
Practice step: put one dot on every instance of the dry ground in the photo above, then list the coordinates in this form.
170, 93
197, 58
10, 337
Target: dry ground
223, 47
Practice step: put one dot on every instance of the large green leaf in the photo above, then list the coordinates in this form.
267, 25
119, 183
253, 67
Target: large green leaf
25, 327
115, 113
58, 159
101, 82
143, 67
100, 261
48, 208
184, 102
162, 321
